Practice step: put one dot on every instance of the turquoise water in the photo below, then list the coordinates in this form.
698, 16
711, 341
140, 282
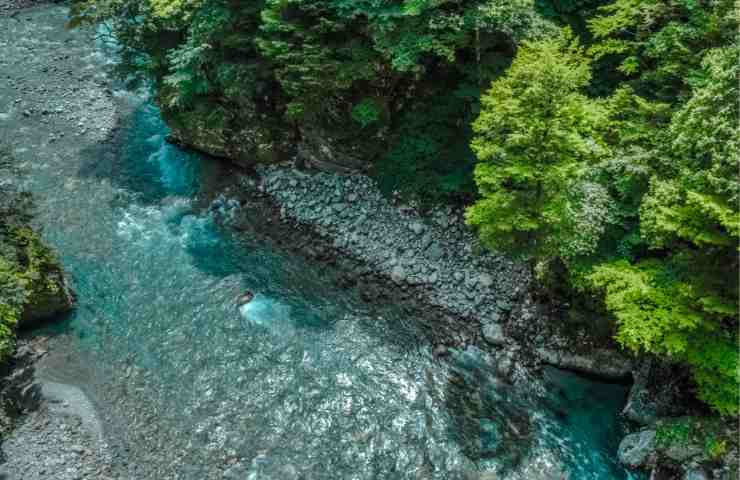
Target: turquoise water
307, 382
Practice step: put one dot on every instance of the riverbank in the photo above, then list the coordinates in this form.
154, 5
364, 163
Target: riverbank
53, 430
432, 259
51, 98
395, 253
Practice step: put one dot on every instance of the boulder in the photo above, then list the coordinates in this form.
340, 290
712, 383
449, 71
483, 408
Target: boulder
605, 363
656, 392
635, 450
682, 451
485, 280
504, 365
494, 334
245, 141
398, 274
416, 227
435, 251
696, 473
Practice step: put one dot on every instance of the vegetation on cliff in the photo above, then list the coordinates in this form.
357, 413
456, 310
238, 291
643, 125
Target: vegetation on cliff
596, 139
635, 193
31, 280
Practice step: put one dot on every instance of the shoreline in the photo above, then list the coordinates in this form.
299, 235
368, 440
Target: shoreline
432, 261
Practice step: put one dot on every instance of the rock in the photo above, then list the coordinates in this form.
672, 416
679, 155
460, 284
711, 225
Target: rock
494, 334
609, 364
435, 252
235, 472
656, 392
440, 351
398, 274
682, 451
416, 227
505, 365
485, 280
696, 473
640, 407
636, 449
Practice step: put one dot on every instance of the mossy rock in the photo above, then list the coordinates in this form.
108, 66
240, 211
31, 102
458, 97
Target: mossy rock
697, 440
33, 287
240, 135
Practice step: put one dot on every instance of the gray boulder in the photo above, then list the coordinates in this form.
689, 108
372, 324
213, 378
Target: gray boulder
494, 334
485, 280
697, 473
398, 274
602, 362
636, 449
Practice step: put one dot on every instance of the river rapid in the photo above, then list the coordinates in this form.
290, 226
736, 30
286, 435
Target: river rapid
308, 381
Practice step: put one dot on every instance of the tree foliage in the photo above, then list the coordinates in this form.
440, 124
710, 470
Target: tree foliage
536, 138
658, 238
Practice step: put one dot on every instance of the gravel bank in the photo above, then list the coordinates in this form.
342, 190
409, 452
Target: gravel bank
55, 102
475, 297
54, 429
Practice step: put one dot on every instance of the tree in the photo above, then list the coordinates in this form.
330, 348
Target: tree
535, 139
683, 302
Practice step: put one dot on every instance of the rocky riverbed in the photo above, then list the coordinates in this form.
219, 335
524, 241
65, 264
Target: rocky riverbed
54, 98
432, 259
51, 429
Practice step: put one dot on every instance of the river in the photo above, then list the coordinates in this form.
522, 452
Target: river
309, 382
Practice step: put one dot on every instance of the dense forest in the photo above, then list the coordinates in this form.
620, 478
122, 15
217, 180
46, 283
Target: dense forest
595, 140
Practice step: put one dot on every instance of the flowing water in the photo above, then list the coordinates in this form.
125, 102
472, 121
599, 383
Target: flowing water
307, 382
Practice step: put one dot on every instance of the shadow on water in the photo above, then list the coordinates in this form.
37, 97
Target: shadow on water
491, 420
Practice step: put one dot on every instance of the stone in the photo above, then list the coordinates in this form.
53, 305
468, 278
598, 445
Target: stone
682, 451
640, 407
485, 280
636, 449
494, 334
235, 472
398, 274
605, 363
440, 351
426, 240
435, 252
696, 473
504, 366
416, 227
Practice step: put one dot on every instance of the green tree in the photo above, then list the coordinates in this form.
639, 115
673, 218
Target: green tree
535, 139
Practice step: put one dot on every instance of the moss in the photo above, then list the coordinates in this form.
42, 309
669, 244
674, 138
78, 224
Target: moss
671, 432
710, 437
32, 285
715, 448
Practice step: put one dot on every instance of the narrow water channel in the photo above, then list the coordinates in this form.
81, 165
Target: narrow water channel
309, 382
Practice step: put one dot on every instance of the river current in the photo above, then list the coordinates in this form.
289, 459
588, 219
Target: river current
307, 382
